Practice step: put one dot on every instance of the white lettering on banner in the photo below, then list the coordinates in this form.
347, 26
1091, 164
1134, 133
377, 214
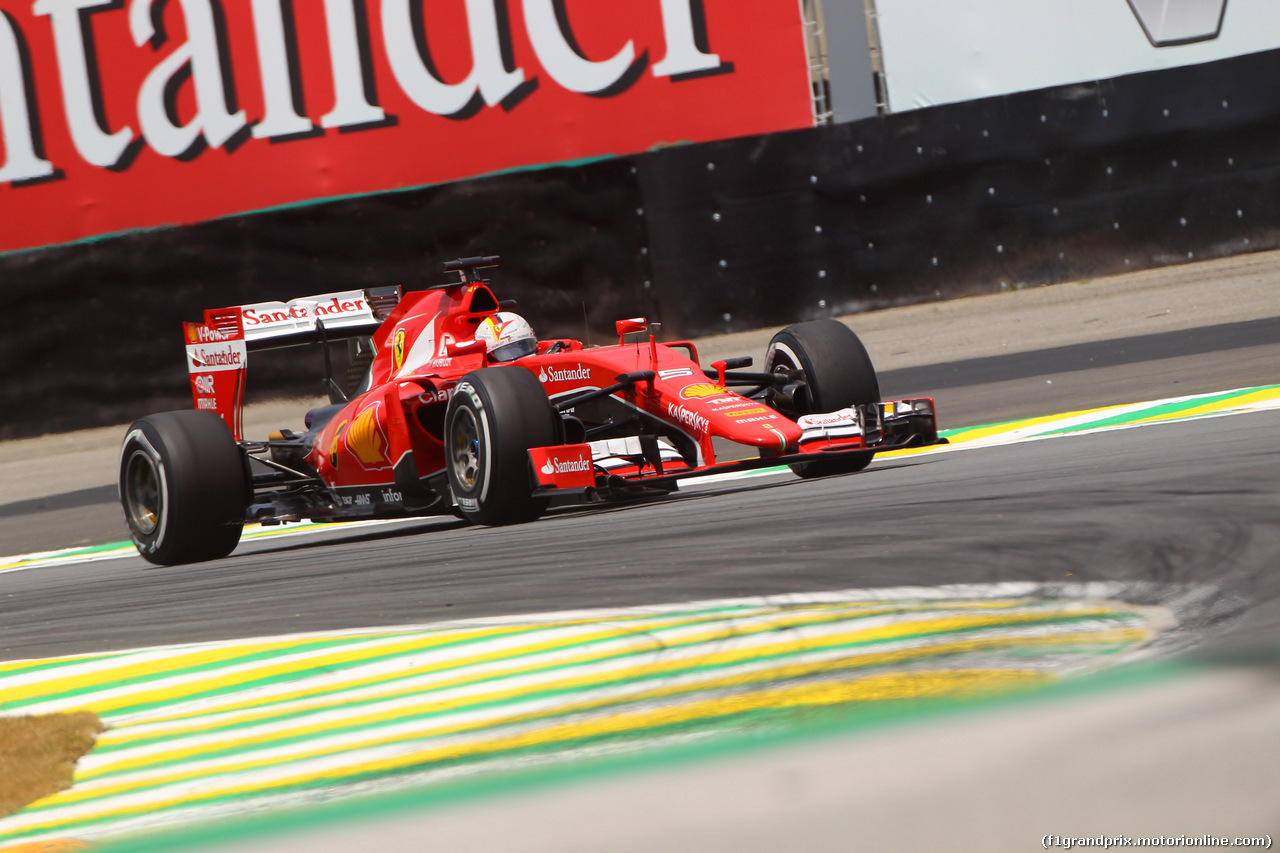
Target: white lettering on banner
201, 56
204, 384
683, 54
494, 79
351, 106
489, 79
208, 404
280, 112
558, 56
204, 358
690, 419
79, 82
22, 163
550, 374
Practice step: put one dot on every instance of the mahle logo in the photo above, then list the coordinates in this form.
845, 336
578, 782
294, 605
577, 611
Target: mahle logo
1172, 22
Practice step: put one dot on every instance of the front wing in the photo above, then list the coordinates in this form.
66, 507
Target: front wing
583, 469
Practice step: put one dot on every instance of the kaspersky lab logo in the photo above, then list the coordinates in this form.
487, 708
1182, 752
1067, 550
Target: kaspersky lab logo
1173, 22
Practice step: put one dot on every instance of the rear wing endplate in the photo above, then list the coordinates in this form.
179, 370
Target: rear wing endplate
218, 348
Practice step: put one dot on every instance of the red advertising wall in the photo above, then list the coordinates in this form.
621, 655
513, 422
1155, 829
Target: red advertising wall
125, 115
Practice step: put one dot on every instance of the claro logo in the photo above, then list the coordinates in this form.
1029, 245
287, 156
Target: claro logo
1172, 22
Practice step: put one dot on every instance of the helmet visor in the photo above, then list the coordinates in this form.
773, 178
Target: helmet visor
515, 349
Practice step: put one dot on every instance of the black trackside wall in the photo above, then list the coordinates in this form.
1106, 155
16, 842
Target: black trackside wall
1020, 190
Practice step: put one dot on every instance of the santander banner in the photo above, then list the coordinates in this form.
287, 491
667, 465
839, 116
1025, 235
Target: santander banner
125, 114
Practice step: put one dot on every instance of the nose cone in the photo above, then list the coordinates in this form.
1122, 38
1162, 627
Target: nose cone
767, 430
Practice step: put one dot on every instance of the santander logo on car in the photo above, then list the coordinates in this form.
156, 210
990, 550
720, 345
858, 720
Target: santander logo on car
274, 313
566, 466
841, 417
577, 374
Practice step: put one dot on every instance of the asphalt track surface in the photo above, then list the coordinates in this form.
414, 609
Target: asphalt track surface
1194, 502
968, 391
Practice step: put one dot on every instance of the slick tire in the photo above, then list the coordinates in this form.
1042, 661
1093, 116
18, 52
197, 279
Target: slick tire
838, 373
494, 416
184, 487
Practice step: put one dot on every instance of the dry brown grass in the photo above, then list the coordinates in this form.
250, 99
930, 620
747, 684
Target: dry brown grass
38, 755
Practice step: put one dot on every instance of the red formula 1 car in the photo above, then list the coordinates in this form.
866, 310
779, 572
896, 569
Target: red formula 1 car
461, 410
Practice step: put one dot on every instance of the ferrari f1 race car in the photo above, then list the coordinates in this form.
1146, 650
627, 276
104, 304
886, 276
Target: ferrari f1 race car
461, 410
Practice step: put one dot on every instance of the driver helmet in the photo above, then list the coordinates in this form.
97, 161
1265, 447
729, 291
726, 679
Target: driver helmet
507, 336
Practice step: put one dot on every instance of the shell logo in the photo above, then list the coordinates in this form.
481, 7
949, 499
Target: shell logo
397, 349
365, 440
700, 390
191, 333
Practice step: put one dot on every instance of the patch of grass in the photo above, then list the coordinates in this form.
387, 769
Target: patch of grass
38, 755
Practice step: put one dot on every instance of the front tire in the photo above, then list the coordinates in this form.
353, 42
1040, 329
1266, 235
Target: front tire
496, 414
838, 373
183, 486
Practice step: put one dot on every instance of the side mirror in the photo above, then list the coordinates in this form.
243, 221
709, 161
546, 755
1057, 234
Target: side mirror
626, 327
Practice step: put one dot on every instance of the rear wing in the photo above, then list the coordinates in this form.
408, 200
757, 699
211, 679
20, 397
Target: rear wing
309, 319
218, 348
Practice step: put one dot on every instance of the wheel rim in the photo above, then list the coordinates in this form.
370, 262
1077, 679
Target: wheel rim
465, 450
144, 499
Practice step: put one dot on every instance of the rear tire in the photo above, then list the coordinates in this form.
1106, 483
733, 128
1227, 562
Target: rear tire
838, 373
183, 486
496, 414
